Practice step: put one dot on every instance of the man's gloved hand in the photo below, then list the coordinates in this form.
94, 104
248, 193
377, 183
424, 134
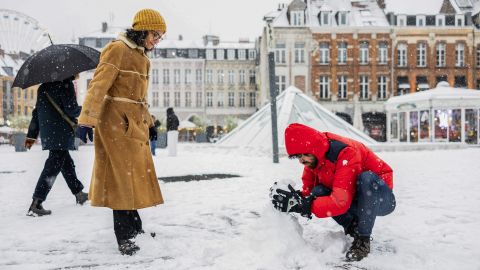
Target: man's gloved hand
291, 201
82, 132
29, 143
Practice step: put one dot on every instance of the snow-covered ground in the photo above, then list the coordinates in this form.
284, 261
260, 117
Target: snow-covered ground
230, 224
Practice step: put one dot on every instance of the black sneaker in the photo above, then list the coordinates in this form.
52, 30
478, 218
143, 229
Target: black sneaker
359, 249
36, 209
81, 197
128, 247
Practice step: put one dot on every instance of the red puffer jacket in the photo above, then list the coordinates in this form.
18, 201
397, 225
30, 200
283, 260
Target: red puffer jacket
340, 176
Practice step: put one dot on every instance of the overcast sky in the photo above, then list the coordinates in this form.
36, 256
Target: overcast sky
229, 19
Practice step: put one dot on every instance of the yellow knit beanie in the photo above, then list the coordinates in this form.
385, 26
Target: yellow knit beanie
149, 19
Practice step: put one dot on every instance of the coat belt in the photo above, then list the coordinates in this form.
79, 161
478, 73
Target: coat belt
121, 99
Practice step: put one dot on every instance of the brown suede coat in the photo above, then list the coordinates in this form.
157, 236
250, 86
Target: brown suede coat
123, 175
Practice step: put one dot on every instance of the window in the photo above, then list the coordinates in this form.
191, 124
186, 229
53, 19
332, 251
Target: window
342, 53
280, 83
401, 21
154, 76
342, 18
198, 100
297, 18
441, 54
231, 99
209, 99
402, 55
192, 53
251, 75
176, 76
478, 57
421, 54
220, 76
231, 77
198, 76
383, 53
241, 76
440, 20
209, 54
241, 100
231, 54
324, 87
177, 99
280, 53
166, 76
342, 87
420, 21
252, 54
220, 54
460, 55
363, 53
220, 99
188, 76
242, 55
325, 18
324, 53
299, 52
209, 76
188, 99
155, 99
459, 20
382, 87
166, 99
253, 99
364, 87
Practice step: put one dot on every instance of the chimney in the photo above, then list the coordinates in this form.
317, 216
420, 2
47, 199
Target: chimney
180, 37
104, 27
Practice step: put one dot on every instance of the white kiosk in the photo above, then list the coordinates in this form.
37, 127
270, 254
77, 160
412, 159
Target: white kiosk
443, 114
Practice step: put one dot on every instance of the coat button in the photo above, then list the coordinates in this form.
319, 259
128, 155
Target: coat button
144, 121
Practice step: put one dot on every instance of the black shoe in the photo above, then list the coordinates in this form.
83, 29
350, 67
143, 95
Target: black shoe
36, 209
81, 197
128, 247
359, 249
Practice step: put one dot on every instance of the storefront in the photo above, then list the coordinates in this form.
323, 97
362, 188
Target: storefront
442, 114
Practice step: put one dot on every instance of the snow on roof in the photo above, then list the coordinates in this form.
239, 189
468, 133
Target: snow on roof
111, 32
198, 44
292, 107
414, 6
460, 97
361, 13
9, 62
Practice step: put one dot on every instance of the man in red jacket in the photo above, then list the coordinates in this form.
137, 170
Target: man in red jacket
342, 179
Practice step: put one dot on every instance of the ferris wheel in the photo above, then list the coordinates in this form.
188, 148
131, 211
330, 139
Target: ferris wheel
21, 33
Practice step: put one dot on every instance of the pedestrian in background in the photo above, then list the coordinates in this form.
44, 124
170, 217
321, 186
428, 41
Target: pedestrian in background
123, 177
153, 132
172, 132
57, 136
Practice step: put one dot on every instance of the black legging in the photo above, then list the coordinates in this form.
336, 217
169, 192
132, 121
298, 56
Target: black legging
57, 161
127, 224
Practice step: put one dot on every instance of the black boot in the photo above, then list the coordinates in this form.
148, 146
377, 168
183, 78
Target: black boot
36, 209
352, 229
127, 247
81, 197
359, 249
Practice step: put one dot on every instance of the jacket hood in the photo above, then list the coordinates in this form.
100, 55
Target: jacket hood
170, 111
301, 139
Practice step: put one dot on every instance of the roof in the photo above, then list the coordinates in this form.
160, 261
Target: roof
198, 44
359, 13
111, 32
292, 107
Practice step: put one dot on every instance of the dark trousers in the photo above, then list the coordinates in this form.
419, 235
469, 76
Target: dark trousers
373, 198
126, 224
57, 161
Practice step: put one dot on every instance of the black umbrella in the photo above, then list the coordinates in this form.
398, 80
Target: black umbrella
56, 63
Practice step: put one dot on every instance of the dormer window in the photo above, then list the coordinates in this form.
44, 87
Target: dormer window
325, 18
459, 20
297, 18
440, 20
209, 54
342, 18
220, 54
420, 21
402, 20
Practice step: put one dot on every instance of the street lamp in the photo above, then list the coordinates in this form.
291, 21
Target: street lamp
273, 91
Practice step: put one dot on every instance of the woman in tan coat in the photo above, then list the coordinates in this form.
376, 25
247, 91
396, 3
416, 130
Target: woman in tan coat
123, 177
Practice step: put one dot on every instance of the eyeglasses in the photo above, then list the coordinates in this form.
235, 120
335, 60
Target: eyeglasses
157, 35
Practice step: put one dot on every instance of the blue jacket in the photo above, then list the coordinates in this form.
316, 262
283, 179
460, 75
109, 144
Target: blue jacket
55, 132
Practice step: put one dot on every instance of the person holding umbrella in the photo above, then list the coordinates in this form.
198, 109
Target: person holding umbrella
123, 177
55, 113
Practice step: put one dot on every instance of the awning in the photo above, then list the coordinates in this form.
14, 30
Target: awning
404, 86
423, 86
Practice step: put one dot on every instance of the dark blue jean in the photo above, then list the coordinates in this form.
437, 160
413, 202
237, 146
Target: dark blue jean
153, 146
373, 198
57, 161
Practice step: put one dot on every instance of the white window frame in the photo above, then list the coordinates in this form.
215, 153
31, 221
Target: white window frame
421, 54
231, 99
241, 99
198, 76
440, 20
364, 54
231, 54
166, 99
241, 76
188, 76
209, 101
280, 82
402, 50
166, 76
364, 87
324, 49
343, 18
154, 76
252, 99
176, 76
176, 99
440, 49
324, 87
188, 99
383, 53
231, 77
199, 99
325, 18
209, 75
252, 54
460, 55
382, 87
402, 20
299, 52
342, 53
459, 20
242, 54
210, 54
342, 82
220, 76
280, 52
155, 102
220, 99
421, 19
220, 54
